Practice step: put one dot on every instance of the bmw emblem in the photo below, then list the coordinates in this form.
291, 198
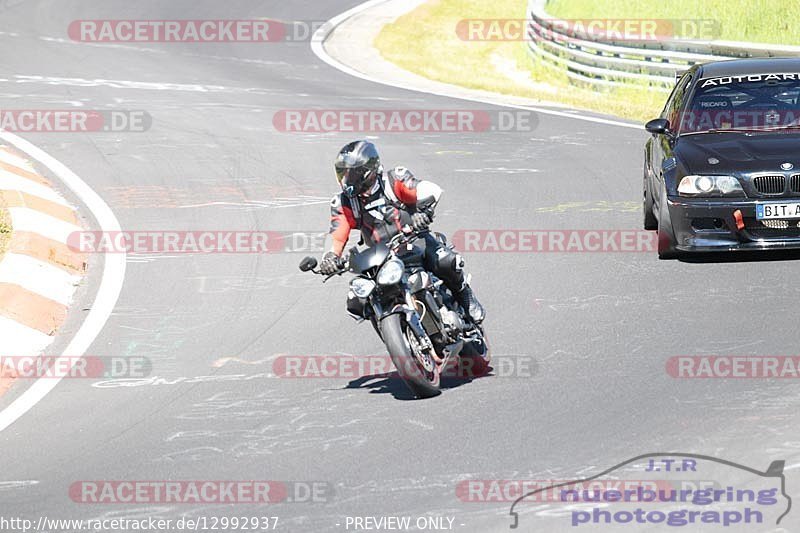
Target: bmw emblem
787, 166
713, 161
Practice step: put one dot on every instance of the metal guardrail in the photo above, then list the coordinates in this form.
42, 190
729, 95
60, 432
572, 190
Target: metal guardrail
590, 58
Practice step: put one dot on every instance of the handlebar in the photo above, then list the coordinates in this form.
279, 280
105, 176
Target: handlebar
407, 235
343, 264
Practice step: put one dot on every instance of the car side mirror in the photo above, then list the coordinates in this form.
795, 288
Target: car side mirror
658, 126
309, 263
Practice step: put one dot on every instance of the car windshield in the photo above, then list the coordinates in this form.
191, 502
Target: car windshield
746, 103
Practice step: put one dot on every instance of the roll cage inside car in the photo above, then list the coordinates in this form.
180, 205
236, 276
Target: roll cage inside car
784, 94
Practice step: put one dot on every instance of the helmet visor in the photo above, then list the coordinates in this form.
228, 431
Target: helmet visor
356, 180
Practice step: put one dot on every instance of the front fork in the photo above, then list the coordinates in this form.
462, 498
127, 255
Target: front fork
413, 320
409, 309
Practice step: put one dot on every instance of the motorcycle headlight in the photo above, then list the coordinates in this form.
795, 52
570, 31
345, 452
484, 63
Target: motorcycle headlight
362, 287
391, 272
710, 186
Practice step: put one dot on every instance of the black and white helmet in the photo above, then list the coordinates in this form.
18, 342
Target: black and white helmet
358, 167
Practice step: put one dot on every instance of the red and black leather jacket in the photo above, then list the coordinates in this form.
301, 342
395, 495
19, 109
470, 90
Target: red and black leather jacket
384, 211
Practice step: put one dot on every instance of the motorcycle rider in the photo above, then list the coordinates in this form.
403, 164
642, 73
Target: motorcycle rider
380, 205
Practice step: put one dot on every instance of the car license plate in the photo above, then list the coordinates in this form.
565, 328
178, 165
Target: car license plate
773, 210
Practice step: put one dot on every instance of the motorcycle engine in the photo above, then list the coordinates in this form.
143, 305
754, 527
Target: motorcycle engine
451, 319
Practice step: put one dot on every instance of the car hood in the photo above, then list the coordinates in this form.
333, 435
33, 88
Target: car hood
738, 153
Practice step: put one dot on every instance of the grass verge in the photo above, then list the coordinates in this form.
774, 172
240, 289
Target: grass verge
770, 21
5, 228
425, 42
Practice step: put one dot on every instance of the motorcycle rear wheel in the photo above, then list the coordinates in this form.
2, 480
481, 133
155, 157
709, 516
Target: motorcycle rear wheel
479, 352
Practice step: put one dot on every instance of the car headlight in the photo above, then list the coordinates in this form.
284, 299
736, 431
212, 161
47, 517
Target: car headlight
710, 186
391, 272
362, 287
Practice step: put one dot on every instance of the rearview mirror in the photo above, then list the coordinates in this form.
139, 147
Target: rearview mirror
658, 126
309, 263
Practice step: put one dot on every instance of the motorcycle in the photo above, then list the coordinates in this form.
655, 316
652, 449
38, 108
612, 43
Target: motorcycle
416, 316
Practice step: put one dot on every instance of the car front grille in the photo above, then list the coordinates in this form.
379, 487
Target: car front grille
794, 182
770, 184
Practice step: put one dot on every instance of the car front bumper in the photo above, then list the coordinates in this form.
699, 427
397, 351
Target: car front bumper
710, 225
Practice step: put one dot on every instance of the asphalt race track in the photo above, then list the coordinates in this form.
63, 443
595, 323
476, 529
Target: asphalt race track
599, 326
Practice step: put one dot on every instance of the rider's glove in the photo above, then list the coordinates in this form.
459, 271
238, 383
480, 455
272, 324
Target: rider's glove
421, 220
330, 264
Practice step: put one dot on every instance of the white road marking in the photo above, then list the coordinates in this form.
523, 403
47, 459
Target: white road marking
276, 203
11, 159
11, 181
26, 219
107, 293
21, 341
144, 258
5, 485
219, 363
498, 170
109, 46
140, 85
326, 29
180, 380
421, 424
44, 279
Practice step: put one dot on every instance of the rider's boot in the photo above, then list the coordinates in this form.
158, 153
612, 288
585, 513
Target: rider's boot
470, 303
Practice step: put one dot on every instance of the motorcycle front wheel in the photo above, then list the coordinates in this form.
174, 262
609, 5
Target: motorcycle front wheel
417, 369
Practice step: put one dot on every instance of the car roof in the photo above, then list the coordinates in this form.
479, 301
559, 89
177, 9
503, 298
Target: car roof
741, 67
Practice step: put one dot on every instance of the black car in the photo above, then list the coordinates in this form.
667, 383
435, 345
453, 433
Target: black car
722, 168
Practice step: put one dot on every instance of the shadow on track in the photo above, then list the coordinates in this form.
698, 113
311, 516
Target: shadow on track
741, 257
392, 384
